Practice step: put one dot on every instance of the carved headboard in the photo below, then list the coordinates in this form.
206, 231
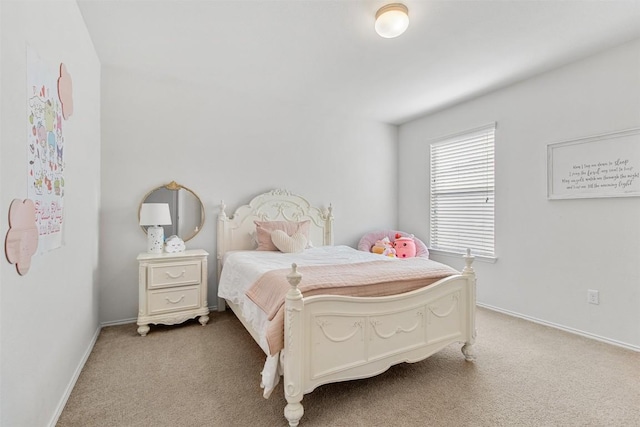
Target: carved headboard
235, 232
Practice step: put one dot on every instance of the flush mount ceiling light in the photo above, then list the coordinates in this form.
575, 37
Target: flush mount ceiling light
392, 20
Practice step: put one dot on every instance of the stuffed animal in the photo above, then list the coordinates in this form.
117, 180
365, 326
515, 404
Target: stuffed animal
390, 251
384, 247
380, 246
405, 246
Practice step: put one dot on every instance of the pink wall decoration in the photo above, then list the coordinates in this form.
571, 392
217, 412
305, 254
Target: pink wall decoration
65, 92
22, 238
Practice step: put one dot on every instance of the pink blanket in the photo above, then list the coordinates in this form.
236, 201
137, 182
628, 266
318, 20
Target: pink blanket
365, 279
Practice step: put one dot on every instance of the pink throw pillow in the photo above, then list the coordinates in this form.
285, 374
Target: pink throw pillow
264, 229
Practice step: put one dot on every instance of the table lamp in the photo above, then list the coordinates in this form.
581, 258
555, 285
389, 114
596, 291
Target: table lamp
154, 215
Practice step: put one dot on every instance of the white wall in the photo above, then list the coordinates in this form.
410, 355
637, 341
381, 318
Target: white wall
1, 139
550, 252
49, 317
224, 144
1, 121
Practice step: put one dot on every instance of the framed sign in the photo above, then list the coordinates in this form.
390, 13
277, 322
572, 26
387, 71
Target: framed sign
605, 165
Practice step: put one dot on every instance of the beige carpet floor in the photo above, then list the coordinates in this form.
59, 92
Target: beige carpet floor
189, 375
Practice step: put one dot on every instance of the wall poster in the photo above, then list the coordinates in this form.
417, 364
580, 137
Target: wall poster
598, 166
45, 148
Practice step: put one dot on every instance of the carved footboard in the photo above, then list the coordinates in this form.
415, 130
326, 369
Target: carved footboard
337, 338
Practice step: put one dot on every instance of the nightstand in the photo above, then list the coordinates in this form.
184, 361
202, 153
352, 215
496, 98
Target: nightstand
172, 288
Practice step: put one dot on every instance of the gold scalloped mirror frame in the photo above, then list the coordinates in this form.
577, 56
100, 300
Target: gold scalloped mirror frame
188, 220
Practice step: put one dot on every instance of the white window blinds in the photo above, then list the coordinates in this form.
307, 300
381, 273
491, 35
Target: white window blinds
462, 192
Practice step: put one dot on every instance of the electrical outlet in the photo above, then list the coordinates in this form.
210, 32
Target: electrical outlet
593, 297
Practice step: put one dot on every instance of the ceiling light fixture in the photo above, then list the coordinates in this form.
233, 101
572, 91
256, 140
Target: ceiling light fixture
392, 20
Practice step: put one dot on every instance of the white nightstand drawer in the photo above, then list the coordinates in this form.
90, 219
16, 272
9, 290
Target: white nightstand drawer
183, 298
172, 288
174, 274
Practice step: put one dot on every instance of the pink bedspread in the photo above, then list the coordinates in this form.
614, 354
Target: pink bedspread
366, 279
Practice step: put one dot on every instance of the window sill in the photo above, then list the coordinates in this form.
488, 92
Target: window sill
482, 258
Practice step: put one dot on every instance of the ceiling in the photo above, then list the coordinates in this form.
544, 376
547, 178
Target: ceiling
326, 52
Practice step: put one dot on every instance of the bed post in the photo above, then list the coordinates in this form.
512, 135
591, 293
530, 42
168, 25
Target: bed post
328, 227
467, 348
293, 349
221, 248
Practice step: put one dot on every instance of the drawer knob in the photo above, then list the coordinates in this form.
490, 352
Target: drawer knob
176, 301
169, 275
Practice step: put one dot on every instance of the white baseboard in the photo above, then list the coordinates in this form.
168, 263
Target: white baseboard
561, 327
74, 378
119, 322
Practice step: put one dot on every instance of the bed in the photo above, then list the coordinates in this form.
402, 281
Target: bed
329, 337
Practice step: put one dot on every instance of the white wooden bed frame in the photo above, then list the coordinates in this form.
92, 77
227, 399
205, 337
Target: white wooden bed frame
336, 338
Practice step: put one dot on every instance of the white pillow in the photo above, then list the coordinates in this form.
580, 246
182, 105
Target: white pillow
288, 244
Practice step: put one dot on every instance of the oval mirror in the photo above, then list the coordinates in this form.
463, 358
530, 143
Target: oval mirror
187, 211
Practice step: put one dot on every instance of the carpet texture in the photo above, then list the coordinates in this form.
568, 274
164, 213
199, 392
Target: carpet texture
189, 375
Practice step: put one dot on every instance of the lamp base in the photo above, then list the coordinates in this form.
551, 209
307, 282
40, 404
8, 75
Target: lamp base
155, 239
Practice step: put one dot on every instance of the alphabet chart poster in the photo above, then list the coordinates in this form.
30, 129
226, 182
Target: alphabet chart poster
45, 148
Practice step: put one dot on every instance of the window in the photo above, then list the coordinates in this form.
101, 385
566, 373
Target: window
462, 192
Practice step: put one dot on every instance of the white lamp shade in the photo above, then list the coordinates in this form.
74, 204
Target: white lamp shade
392, 20
155, 214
